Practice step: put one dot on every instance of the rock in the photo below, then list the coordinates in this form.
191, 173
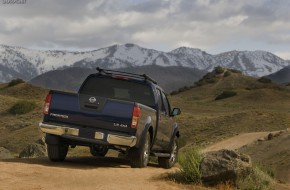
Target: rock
5, 154
33, 151
224, 166
261, 139
41, 141
270, 136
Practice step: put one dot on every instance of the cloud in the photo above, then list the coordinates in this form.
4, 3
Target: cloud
283, 54
206, 24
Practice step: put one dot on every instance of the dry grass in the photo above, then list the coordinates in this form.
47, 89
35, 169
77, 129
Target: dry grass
17, 131
257, 107
205, 121
225, 186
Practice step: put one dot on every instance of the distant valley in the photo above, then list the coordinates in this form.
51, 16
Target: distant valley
170, 78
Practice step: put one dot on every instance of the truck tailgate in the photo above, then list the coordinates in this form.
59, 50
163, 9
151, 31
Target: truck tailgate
91, 112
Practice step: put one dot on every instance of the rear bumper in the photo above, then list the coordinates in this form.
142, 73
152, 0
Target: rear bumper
66, 131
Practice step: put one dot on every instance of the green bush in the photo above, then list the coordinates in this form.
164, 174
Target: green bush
219, 70
264, 80
200, 83
22, 107
174, 93
182, 89
212, 80
226, 94
190, 167
227, 73
235, 71
15, 82
208, 76
256, 180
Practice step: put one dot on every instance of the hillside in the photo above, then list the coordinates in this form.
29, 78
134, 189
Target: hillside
204, 120
17, 131
282, 76
256, 107
70, 79
273, 155
18, 62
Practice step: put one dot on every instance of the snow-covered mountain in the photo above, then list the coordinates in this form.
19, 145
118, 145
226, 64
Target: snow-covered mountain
17, 62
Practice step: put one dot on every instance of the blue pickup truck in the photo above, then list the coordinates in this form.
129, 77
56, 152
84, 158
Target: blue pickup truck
113, 110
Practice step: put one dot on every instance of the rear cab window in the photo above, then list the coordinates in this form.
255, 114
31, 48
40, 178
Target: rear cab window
120, 89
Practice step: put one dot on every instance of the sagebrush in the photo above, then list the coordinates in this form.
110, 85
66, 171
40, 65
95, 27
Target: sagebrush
22, 107
190, 167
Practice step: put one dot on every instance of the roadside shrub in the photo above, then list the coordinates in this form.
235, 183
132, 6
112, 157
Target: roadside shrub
15, 82
22, 107
264, 80
227, 73
219, 70
190, 167
226, 94
257, 180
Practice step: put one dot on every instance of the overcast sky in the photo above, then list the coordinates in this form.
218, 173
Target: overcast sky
214, 26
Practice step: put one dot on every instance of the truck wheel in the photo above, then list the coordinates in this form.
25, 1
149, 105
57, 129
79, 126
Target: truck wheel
99, 150
139, 158
169, 162
57, 152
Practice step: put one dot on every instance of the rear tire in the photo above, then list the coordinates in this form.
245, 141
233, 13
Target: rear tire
139, 157
169, 162
57, 152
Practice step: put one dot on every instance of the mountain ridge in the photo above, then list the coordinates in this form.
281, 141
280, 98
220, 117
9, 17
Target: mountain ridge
18, 62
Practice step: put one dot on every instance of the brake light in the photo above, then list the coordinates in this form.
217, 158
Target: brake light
47, 104
135, 117
120, 77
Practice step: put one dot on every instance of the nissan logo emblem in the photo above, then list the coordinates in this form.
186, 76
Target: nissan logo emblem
92, 100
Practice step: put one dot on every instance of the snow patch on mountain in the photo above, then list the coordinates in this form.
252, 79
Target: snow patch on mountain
18, 62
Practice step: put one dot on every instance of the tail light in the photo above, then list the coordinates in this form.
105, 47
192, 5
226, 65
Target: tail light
120, 77
47, 104
135, 117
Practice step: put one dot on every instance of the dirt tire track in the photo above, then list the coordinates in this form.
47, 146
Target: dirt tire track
236, 142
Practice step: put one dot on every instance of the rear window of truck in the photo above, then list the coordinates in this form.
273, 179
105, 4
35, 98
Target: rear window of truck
118, 89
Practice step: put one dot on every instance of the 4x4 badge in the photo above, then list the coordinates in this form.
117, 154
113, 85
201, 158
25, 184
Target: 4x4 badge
92, 99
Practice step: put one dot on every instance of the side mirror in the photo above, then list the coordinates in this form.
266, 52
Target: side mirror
175, 111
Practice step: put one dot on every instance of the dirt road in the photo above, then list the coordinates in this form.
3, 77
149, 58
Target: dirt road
236, 142
80, 173
98, 173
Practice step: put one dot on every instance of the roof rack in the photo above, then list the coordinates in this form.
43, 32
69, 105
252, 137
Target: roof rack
132, 75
